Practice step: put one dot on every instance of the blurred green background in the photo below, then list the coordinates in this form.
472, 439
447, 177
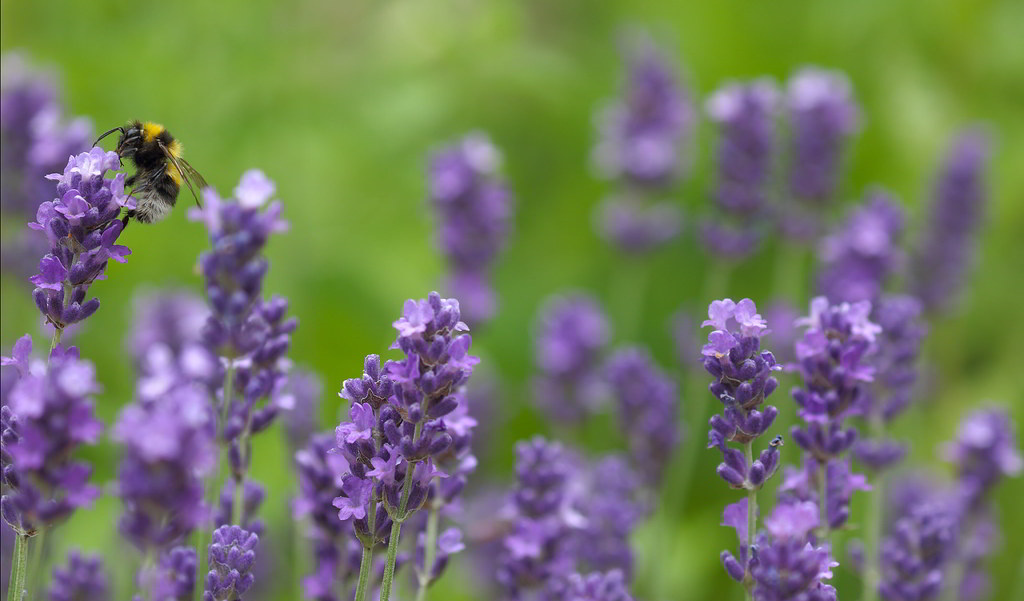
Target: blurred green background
340, 102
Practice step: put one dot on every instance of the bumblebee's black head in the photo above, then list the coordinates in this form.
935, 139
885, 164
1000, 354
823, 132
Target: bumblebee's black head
130, 141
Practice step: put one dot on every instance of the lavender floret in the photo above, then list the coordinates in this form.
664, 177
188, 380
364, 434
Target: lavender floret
231, 556
83, 578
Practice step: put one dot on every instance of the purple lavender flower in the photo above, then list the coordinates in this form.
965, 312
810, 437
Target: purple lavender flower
643, 132
36, 140
648, 408
253, 495
595, 586
48, 416
608, 498
231, 556
801, 484
743, 380
82, 227
745, 115
474, 209
788, 564
82, 579
831, 359
984, 453
571, 333
302, 421
917, 550
946, 250
251, 335
167, 448
863, 252
822, 116
534, 549
173, 577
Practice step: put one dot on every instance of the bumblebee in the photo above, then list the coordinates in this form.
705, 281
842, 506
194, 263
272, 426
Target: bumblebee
159, 169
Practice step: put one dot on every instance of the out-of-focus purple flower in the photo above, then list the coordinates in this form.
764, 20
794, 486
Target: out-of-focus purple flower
784, 333
859, 256
48, 415
822, 116
37, 139
648, 403
946, 249
253, 494
642, 133
83, 578
832, 358
474, 211
570, 335
984, 452
167, 447
743, 380
801, 484
916, 552
745, 116
595, 586
789, 564
895, 361
172, 578
82, 226
535, 548
636, 226
231, 556
608, 498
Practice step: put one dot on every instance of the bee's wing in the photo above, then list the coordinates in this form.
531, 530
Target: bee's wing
188, 173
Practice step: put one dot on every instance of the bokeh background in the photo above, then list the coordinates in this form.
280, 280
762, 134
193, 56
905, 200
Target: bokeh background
340, 103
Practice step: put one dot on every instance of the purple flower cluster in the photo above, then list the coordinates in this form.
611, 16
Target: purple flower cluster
863, 252
745, 116
648, 405
253, 495
49, 415
821, 115
743, 380
984, 452
302, 420
36, 140
82, 579
168, 446
172, 578
946, 249
642, 135
336, 551
251, 335
474, 210
231, 556
916, 553
608, 496
831, 361
82, 226
595, 586
571, 333
788, 563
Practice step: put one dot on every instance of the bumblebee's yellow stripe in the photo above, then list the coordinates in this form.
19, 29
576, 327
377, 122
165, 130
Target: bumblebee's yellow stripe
151, 130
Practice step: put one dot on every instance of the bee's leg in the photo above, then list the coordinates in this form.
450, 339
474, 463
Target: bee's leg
127, 217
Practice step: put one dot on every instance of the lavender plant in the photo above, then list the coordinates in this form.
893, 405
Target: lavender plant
84, 578
743, 380
231, 557
571, 333
474, 212
397, 431
641, 146
49, 416
745, 116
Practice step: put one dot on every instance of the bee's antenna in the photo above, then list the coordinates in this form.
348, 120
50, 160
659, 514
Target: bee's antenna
107, 133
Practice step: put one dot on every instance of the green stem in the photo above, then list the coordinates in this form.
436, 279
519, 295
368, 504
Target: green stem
58, 333
16, 591
873, 525
367, 560
429, 550
748, 451
396, 525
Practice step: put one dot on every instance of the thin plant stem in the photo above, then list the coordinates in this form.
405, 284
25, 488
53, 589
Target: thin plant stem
396, 524
429, 550
19, 569
367, 560
213, 488
58, 333
748, 580
873, 526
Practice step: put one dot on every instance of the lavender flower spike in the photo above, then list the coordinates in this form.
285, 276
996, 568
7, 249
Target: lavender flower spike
474, 209
82, 579
82, 226
50, 414
745, 114
232, 554
789, 562
945, 252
